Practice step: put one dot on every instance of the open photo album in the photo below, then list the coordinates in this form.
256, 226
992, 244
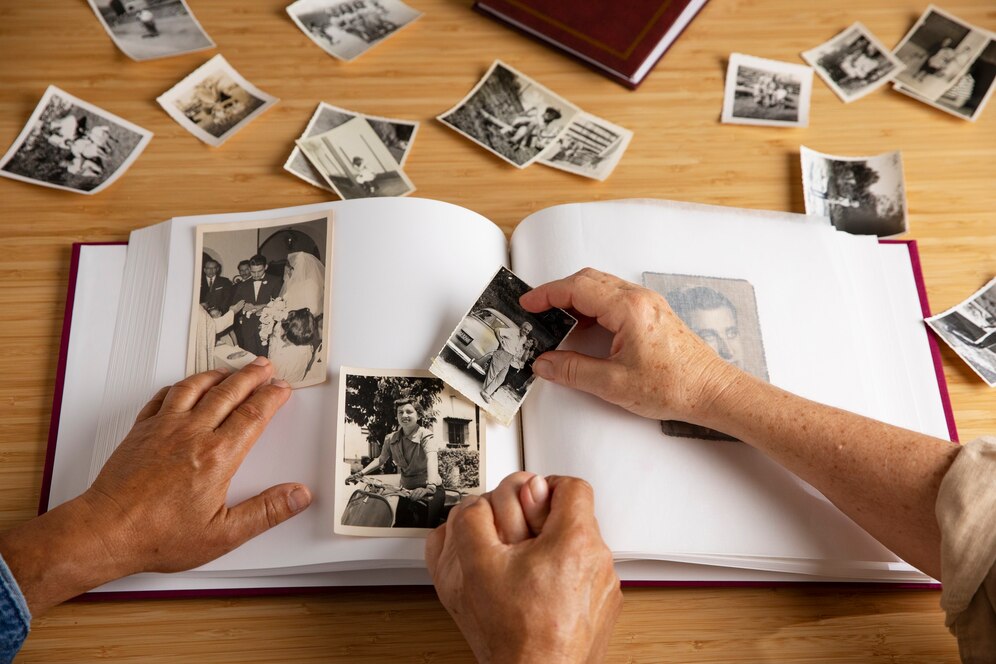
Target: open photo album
370, 290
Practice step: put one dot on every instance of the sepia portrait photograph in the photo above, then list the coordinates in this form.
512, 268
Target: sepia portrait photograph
408, 450
860, 195
590, 146
70, 144
215, 101
355, 162
936, 52
489, 356
766, 92
970, 329
148, 29
396, 135
969, 94
346, 29
723, 313
511, 115
854, 63
260, 290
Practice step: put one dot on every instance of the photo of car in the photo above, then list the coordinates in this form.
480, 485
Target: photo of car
477, 337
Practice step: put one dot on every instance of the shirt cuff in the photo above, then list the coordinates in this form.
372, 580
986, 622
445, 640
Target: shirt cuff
15, 618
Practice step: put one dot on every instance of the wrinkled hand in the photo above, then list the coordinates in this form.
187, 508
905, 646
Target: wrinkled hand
656, 366
525, 574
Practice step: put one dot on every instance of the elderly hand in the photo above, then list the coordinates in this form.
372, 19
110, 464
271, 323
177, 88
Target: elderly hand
656, 366
525, 574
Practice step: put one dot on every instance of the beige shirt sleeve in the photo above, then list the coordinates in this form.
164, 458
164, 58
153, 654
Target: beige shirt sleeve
966, 513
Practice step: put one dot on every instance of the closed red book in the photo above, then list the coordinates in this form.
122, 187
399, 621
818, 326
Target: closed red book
623, 40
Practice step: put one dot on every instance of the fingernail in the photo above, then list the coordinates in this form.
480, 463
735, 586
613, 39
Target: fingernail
279, 382
298, 499
224, 371
539, 489
260, 361
543, 368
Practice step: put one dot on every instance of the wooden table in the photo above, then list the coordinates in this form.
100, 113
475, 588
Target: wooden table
680, 152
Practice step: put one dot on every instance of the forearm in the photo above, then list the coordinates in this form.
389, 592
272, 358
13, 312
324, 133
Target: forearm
373, 465
884, 478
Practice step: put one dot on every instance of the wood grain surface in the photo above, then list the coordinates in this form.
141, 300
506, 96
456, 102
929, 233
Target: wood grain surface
680, 151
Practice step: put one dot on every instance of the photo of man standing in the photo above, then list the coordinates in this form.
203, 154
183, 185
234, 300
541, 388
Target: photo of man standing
256, 292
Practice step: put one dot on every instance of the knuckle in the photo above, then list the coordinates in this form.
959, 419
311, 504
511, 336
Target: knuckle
271, 511
570, 370
225, 392
251, 411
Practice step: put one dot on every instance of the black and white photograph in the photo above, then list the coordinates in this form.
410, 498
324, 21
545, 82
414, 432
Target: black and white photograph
766, 92
149, 29
489, 356
970, 329
70, 144
854, 63
860, 195
970, 93
511, 115
936, 52
723, 313
408, 450
355, 162
215, 101
260, 290
346, 29
590, 147
396, 135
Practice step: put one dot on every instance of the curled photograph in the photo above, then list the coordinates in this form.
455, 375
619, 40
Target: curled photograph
149, 29
854, 63
970, 329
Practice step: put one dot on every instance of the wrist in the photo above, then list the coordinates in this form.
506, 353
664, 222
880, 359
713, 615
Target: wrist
725, 397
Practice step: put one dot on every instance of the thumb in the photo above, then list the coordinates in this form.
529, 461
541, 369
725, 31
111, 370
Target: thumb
266, 510
581, 372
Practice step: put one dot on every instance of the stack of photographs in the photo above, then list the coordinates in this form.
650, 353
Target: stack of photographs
949, 64
522, 122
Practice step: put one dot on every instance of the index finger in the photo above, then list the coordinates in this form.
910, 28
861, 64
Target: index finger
589, 292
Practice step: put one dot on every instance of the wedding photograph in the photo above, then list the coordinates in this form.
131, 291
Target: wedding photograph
396, 135
590, 146
854, 63
488, 357
511, 115
723, 313
861, 195
149, 29
408, 450
346, 29
73, 145
260, 290
355, 162
970, 329
766, 92
215, 101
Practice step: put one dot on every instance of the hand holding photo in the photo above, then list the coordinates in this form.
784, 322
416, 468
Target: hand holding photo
489, 356
766, 92
148, 30
970, 329
346, 29
854, 63
590, 147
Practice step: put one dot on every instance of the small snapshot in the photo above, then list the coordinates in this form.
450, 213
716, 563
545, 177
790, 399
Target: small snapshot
860, 195
854, 63
355, 162
936, 53
590, 147
149, 30
723, 312
969, 94
70, 144
511, 115
260, 289
970, 329
766, 92
397, 136
346, 29
215, 101
408, 450
489, 356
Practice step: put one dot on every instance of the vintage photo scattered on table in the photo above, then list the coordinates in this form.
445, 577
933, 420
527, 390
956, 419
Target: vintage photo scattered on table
766, 92
397, 136
489, 356
260, 289
971, 92
346, 29
511, 115
723, 312
408, 450
854, 63
355, 162
155, 29
70, 144
590, 146
970, 329
215, 101
860, 195
936, 52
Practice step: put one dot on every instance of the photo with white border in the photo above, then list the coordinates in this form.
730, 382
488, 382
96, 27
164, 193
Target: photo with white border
590, 146
346, 29
969, 95
854, 63
970, 329
146, 31
766, 92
